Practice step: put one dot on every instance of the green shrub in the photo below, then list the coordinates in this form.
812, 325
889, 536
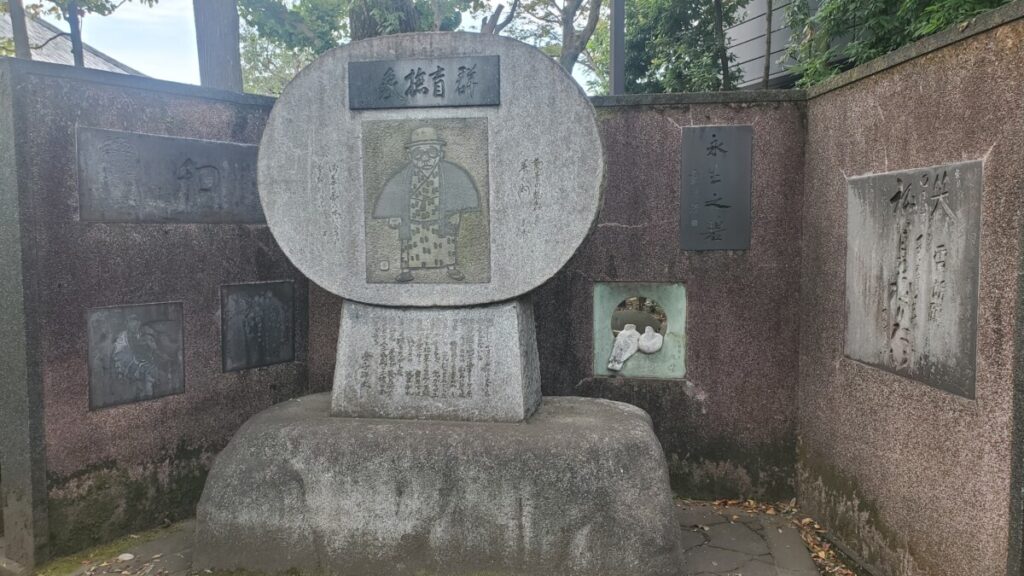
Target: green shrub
845, 33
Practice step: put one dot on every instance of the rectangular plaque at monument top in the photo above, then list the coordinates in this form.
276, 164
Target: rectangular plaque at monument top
715, 203
424, 82
912, 273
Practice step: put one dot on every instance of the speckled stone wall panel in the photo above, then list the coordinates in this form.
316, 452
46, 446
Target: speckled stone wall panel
729, 427
23, 486
129, 467
912, 480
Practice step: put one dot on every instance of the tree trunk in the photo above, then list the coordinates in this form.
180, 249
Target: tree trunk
435, 6
723, 51
75, 23
362, 24
768, 46
220, 60
20, 30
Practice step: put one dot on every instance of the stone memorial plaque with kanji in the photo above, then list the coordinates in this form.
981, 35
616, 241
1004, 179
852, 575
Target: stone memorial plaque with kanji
912, 273
716, 181
425, 83
134, 177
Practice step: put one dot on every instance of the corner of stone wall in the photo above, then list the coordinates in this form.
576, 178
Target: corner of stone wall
727, 470
856, 525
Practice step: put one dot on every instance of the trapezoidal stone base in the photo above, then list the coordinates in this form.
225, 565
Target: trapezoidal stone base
581, 488
475, 363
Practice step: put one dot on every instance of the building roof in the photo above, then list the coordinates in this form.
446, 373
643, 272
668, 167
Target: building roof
58, 50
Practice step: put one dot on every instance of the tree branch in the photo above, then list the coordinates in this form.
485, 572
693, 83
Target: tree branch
592, 19
508, 19
50, 39
489, 23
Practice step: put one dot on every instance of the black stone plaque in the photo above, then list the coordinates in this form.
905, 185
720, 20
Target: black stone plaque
135, 353
257, 324
425, 82
133, 177
716, 174
912, 273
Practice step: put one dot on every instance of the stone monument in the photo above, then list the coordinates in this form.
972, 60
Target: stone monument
432, 180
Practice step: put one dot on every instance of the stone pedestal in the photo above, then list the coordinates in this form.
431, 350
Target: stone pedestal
581, 488
438, 209
437, 363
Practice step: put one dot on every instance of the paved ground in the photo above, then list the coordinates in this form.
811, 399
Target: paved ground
731, 541
719, 541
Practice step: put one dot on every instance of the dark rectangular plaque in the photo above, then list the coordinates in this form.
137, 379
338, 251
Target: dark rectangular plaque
424, 82
135, 353
134, 177
716, 174
257, 324
912, 242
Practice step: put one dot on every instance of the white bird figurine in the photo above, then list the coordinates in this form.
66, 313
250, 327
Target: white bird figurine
626, 344
650, 341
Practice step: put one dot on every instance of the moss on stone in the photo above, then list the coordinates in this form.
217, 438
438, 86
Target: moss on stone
856, 522
70, 564
725, 469
108, 499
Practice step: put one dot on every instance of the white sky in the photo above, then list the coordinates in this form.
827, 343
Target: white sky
160, 41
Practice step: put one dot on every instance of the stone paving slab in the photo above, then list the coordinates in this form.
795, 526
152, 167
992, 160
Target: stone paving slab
732, 541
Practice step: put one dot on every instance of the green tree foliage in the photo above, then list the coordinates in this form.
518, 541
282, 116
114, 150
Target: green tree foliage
267, 66
845, 33
561, 28
319, 25
279, 37
673, 45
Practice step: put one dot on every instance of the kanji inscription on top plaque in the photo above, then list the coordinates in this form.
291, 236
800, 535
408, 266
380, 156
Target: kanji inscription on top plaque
912, 273
716, 175
424, 83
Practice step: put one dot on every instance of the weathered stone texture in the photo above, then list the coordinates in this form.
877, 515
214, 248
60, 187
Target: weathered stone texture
129, 467
475, 363
579, 489
728, 427
536, 184
913, 480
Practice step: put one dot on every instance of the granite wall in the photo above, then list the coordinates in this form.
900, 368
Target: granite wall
80, 468
911, 480
728, 426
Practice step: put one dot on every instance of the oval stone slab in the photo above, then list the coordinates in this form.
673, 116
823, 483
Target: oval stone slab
431, 193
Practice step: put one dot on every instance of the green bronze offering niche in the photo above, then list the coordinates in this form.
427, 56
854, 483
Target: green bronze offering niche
661, 307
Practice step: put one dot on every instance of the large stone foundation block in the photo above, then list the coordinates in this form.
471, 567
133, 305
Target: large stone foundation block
580, 489
475, 363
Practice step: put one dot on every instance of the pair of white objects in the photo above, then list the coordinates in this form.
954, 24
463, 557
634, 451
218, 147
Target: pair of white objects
629, 341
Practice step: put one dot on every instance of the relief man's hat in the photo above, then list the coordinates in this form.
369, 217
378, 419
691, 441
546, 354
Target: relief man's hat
423, 136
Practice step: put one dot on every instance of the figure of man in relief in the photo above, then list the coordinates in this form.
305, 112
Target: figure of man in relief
425, 201
137, 359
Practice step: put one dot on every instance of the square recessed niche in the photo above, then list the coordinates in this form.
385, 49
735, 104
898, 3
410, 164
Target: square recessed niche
670, 312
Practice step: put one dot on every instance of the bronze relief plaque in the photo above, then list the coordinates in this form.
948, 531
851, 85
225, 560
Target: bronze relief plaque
257, 324
426, 201
135, 353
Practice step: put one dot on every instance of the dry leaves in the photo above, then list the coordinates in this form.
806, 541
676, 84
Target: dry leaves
825, 557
